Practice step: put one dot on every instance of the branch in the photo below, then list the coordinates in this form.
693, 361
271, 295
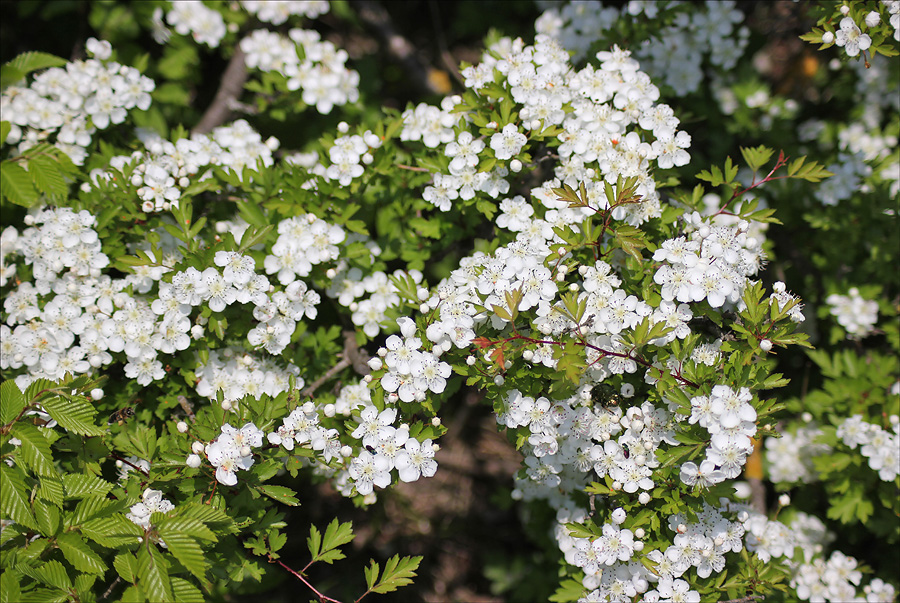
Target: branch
322, 598
351, 356
747, 599
373, 15
227, 96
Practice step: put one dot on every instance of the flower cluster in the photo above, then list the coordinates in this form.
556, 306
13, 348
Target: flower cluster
151, 502
857, 315
205, 25
277, 12
713, 264
348, 154
237, 374
321, 75
730, 419
302, 427
676, 56
411, 372
879, 446
391, 448
303, 242
789, 458
231, 451
73, 103
349, 287
165, 169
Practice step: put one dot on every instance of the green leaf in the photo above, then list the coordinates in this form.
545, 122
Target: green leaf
79, 554
183, 525
51, 489
32, 61
14, 497
79, 485
186, 549
73, 414
185, 592
279, 493
52, 573
126, 564
10, 590
113, 531
46, 176
335, 535
48, 517
93, 506
756, 157
254, 235
397, 573
153, 576
35, 449
12, 401
5, 127
15, 184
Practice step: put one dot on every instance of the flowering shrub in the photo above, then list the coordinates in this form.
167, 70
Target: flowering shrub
248, 316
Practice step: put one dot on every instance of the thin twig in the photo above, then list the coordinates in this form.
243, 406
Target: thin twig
186, 406
300, 577
374, 16
351, 356
747, 599
230, 88
111, 587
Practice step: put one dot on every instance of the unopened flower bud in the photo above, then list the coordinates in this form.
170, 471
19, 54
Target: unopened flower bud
681, 529
226, 405
197, 332
245, 450
375, 363
96, 393
618, 516
192, 461
617, 485
872, 19
343, 127
368, 379
515, 166
765, 345
470, 360
499, 380
435, 421
845, 10
827, 38
331, 273
527, 355
639, 533
784, 500
197, 447
346, 451
182, 427
329, 410
638, 546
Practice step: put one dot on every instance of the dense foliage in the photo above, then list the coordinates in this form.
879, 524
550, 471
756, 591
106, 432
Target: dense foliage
658, 250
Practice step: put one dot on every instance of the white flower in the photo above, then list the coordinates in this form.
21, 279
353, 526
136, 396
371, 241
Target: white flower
851, 38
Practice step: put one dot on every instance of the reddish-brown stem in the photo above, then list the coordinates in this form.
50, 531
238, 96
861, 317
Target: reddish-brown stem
300, 577
782, 161
130, 464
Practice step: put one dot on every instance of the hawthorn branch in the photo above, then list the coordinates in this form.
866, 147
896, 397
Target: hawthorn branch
299, 576
352, 356
226, 98
376, 18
